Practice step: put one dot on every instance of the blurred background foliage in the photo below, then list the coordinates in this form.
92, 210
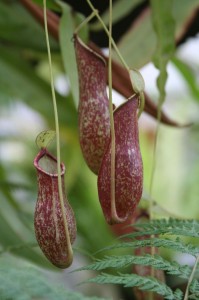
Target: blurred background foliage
26, 109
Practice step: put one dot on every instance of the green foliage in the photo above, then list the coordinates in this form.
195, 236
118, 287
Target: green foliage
17, 236
138, 44
24, 79
17, 80
194, 289
18, 27
144, 283
120, 10
188, 75
45, 138
171, 227
176, 245
137, 81
67, 48
142, 230
156, 261
51, 4
163, 23
27, 282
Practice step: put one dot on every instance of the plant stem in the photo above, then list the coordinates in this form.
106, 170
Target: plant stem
151, 296
113, 206
142, 103
69, 248
90, 17
154, 161
186, 296
108, 34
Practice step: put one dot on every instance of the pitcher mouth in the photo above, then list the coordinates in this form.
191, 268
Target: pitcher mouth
47, 163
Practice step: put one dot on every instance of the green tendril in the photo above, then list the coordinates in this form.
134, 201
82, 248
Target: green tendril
69, 247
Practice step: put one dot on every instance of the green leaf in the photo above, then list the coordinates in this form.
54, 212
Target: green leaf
120, 10
44, 138
23, 281
143, 283
13, 243
176, 245
183, 11
194, 289
137, 81
18, 80
16, 237
164, 27
172, 227
66, 30
18, 27
188, 75
138, 44
49, 4
83, 33
155, 261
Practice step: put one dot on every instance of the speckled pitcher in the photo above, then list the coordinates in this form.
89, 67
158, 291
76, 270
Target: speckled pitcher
48, 220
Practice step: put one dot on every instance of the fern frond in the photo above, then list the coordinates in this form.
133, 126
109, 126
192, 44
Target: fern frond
171, 226
155, 261
144, 283
176, 245
145, 230
194, 289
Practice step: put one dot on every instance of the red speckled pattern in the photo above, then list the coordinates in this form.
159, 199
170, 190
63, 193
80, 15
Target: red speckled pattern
93, 112
48, 222
128, 164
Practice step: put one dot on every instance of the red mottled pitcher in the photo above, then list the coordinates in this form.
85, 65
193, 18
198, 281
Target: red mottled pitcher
93, 111
49, 225
128, 165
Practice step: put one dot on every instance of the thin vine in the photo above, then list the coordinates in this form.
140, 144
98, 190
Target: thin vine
113, 206
108, 33
69, 247
87, 20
